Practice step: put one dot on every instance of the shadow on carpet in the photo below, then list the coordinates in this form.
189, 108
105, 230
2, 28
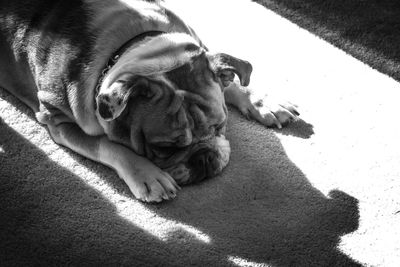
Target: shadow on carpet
60, 220
262, 208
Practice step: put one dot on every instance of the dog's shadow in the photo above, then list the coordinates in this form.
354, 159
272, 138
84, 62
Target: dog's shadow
261, 209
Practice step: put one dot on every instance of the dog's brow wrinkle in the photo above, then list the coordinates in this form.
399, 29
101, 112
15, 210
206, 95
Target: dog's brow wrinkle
175, 103
190, 120
193, 98
198, 115
182, 118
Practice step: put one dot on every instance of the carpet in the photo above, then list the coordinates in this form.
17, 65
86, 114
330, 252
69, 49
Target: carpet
369, 30
323, 191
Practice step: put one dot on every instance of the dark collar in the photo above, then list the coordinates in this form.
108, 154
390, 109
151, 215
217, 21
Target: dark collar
114, 58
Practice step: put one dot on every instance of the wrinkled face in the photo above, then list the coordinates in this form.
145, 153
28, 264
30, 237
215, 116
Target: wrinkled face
175, 115
180, 116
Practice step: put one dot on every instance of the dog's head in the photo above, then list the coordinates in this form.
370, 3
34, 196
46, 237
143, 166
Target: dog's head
164, 99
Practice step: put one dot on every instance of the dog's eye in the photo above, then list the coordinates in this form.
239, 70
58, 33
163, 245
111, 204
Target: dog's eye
164, 144
165, 151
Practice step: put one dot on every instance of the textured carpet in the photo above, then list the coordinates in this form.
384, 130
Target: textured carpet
322, 192
367, 29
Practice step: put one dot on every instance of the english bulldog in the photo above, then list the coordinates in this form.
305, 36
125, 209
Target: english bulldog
127, 84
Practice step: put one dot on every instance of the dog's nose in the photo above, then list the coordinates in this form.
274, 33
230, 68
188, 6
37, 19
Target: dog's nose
204, 164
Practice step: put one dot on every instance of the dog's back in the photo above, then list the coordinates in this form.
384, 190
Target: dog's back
59, 48
39, 33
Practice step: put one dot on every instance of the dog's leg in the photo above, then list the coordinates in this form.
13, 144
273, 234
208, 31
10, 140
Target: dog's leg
146, 181
263, 111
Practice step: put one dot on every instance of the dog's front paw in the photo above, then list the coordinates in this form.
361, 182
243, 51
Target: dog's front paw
149, 183
271, 114
265, 110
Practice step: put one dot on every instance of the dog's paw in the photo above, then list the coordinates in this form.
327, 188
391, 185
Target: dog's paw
271, 114
265, 110
151, 184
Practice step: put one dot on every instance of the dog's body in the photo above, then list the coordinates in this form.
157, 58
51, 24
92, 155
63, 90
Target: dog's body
161, 102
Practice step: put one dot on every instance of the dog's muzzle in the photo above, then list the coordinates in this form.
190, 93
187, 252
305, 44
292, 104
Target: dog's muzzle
203, 164
206, 160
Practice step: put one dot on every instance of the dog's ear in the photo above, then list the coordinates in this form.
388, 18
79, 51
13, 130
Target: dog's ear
112, 101
226, 66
